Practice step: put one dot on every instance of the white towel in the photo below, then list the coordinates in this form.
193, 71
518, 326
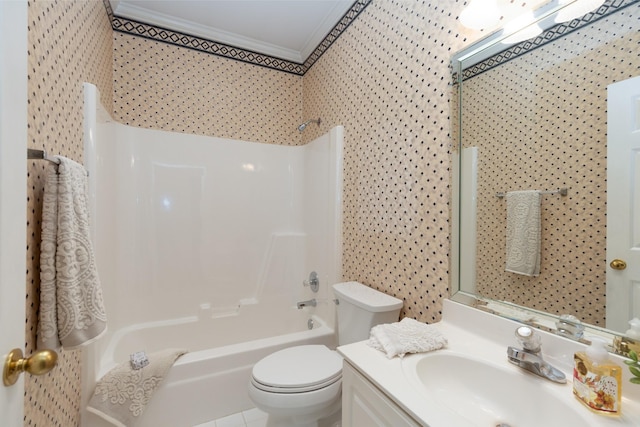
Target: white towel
406, 336
123, 393
523, 232
71, 305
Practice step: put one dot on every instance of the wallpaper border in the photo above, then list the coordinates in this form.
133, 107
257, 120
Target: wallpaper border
609, 7
164, 35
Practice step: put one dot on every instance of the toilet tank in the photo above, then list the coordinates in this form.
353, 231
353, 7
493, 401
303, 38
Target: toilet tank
360, 308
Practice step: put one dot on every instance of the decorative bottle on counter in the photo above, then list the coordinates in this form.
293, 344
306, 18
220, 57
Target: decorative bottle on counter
597, 380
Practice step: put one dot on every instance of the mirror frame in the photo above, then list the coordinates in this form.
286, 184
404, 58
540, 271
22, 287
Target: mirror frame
464, 65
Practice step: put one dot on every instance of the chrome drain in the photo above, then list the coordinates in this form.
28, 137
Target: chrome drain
503, 425
310, 326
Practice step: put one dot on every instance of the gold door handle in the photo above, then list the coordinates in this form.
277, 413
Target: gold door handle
618, 264
38, 363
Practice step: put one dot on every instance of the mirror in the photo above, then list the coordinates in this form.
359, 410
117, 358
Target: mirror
532, 115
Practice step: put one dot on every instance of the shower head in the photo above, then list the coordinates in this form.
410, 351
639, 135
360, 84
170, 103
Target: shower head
305, 124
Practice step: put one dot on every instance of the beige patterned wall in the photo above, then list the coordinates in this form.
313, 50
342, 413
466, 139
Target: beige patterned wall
386, 80
555, 138
161, 86
70, 42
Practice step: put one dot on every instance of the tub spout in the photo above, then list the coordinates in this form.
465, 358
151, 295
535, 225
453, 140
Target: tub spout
311, 302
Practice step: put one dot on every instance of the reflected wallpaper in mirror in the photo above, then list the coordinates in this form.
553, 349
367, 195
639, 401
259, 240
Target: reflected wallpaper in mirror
539, 122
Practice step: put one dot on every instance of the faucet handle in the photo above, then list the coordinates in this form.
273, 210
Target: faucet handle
528, 339
313, 282
569, 326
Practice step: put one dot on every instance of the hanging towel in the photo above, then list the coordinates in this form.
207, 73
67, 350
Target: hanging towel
406, 336
123, 393
71, 305
523, 232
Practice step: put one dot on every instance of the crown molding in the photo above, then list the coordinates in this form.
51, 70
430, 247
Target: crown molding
184, 26
168, 33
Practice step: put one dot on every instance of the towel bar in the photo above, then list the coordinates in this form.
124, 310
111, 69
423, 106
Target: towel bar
561, 191
40, 155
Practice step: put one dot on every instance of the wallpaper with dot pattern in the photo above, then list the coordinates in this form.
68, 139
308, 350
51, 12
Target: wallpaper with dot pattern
555, 138
161, 86
386, 80
70, 42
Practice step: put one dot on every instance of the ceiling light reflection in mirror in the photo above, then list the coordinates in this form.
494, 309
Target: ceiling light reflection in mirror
521, 28
486, 14
576, 9
480, 14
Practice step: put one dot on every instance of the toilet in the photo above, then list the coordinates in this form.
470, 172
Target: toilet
301, 386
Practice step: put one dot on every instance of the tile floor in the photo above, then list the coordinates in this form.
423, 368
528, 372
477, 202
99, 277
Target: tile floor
251, 418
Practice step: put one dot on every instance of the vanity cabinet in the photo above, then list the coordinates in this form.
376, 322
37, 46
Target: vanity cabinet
364, 404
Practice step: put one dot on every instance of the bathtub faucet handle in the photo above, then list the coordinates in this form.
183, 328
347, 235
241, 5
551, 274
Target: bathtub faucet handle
313, 282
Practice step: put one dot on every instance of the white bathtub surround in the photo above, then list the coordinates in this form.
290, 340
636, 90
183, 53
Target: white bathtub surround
204, 243
72, 310
122, 395
483, 338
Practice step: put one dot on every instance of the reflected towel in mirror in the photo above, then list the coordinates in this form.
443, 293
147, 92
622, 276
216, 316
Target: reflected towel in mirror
523, 232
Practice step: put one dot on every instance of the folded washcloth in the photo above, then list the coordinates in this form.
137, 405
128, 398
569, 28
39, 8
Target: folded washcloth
406, 336
72, 310
123, 393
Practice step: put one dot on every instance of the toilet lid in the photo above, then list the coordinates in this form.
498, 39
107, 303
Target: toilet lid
301, 368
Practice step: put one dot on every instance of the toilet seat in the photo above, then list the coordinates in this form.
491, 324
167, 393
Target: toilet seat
298, 369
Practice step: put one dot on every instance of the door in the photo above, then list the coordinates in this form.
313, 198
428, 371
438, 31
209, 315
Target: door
13, 195
623, 203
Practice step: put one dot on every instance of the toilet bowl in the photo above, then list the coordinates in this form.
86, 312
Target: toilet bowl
301, 385
298, 385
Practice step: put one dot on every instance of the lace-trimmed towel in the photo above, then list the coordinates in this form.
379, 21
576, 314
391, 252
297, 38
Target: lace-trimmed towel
122, 395
523, 232
406, 336
71, 306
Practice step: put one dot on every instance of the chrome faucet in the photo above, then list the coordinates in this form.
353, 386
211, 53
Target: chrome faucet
530, 357
311, 302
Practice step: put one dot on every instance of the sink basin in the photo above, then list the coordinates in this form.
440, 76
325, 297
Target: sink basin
490, 394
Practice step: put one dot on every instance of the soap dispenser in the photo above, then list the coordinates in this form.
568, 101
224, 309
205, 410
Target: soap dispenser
597, 380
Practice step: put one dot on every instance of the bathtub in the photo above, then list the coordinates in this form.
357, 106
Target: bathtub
204, 243
211, 380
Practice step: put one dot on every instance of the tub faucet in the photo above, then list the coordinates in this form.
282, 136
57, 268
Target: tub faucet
530, 357
311, 302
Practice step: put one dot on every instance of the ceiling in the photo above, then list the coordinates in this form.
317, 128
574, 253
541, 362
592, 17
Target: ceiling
286, 29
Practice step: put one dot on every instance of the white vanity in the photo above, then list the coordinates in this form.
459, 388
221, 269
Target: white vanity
471, 382
364, 404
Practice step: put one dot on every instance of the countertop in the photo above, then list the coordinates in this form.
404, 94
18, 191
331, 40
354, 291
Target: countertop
477, 334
